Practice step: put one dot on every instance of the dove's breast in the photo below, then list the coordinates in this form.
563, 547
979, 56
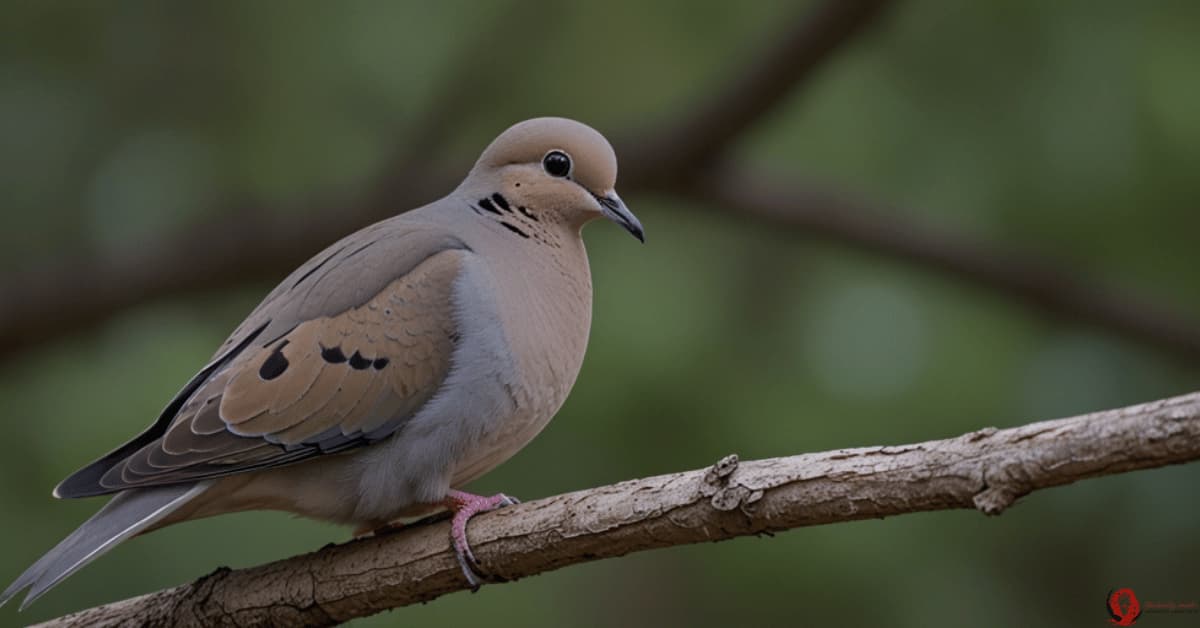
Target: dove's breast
546, 314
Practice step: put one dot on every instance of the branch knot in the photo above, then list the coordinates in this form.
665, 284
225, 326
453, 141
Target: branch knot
725, 494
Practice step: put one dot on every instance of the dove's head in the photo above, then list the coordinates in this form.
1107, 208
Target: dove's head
551, 171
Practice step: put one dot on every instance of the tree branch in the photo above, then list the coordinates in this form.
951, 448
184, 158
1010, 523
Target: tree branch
785, 64
986, 470
1020, 276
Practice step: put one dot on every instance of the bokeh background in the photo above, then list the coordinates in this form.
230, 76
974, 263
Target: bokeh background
1064, 132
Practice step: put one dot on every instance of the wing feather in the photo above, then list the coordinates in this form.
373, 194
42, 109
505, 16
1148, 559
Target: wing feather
334, 381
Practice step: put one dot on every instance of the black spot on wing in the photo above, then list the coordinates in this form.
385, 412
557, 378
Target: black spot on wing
358, 362
525, 212
380, 363
333, 355
501, 201
515, 230
275, 364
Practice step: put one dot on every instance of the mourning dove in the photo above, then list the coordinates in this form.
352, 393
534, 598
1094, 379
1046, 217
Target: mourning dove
400, 363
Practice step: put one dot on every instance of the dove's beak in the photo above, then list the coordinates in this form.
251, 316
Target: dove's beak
615, 210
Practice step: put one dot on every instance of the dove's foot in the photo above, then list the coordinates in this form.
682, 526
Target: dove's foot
464, 506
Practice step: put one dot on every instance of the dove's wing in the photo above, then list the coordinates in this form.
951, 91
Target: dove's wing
340, 355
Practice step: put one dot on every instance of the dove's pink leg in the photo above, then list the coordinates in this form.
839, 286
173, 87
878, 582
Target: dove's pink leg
464, 506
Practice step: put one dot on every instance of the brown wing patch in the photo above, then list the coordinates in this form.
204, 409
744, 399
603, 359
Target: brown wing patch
356, 375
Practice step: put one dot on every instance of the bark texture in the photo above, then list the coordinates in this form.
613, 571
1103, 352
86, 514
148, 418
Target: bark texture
987, 470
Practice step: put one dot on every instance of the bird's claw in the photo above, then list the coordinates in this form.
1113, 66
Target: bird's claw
465, 506
470, 569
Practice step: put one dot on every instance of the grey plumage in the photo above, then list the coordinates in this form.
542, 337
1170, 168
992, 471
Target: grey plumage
122, 517
400, 363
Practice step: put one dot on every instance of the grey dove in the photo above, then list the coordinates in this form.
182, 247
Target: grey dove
385, 373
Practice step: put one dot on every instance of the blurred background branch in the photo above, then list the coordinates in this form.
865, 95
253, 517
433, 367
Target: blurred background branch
677, 149
1023, 277
251, 242
987, 470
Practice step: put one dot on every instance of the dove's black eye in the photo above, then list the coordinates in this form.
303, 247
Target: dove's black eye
557, 163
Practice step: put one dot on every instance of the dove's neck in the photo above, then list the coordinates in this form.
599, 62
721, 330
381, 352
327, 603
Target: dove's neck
543, 284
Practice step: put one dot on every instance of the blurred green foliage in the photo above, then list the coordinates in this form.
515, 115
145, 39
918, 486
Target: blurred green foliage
1067, 128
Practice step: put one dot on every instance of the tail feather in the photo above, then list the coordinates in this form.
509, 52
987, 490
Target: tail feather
122, 517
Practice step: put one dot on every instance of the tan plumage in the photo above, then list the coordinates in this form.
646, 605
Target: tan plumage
398, 364
388, 356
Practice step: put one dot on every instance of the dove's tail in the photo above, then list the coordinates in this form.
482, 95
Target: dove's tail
125, 515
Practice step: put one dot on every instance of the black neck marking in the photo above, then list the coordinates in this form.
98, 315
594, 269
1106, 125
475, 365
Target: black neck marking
487, 205
515, 230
